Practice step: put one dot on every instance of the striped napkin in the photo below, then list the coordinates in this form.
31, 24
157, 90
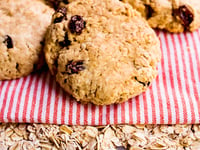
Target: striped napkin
173, 98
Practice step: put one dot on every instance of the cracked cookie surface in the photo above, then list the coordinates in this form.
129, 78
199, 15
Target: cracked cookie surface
171, 15
100, 53
22, 28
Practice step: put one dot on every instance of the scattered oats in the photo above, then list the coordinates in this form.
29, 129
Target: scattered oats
66, 129
16, 137
9, 132
45, 146
140, 126
112, 137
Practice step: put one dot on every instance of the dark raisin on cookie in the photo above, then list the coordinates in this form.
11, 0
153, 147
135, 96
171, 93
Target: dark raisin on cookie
8, 41
185, 15
76, 24
143, 83
66, 41
63, 12
55, 3
74, 67
149, 11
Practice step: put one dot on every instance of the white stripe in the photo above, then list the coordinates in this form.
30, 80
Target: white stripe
2, 94
141, 109
134, 111
45, 98
29, 105
16, 100
177, 90
53, 91
5, 117
111, 114
127, 117
81, 114
37, 102
149, 107
185, 96
23, 96
104, 115
96, 115
74, 110
119, 116
60, 104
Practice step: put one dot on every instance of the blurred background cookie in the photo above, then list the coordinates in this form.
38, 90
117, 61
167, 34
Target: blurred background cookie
23, 25
171, 15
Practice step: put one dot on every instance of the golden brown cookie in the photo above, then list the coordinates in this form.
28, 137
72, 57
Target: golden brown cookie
100, 53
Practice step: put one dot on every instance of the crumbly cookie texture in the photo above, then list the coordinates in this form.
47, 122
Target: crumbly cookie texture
171, 15
100, 53
115, 137
22, 28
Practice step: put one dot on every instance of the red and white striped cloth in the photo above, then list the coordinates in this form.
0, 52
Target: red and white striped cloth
173, 98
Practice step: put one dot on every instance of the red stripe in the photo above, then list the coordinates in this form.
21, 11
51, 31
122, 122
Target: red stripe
55, 113
27, 99
100, 115
85, 114
137, 101
64, 98
19, 99
4, 102
50, 83
115, 113
43, 80
78, 113
130, 104
123, 112
185, 74
93, 111
108, 114
12, 100
71, 110
146, 117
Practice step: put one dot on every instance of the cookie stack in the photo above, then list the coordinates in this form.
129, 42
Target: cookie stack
100, 51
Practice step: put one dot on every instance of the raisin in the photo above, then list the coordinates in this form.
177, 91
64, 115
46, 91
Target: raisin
63, 12
66, 41
8, 41
74, 67
143, 83
120, 148
55, 3
76, 24
185, 15
149, 11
